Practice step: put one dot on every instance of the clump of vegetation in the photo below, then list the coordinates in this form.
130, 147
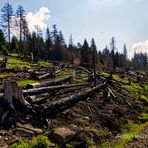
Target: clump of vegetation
40, 142
143, 118
15, 63
43, 63
20, 144
89, 142
129, 132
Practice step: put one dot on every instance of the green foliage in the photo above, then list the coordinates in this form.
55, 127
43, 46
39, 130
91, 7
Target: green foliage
90, 143
40, 142
143, 118
20, 144
14, 44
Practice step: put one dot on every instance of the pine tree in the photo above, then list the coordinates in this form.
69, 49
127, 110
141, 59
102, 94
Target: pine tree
94, 49
71, 44
113, 48
2, 43
125, 51
6, 19
20, 15
48, 44
14, 44
85, 52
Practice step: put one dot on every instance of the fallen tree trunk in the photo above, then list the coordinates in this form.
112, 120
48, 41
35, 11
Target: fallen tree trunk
61, 104
51, 88
49, 83
44, 76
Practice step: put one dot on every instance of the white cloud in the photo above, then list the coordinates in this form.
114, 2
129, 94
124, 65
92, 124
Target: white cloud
138, 47
38, 18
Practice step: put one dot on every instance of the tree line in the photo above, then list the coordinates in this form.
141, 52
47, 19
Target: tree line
15, 37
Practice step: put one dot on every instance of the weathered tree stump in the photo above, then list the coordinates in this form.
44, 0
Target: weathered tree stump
13, 91
7, 107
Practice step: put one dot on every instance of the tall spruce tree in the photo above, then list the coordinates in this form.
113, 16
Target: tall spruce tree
48, 43
21, 19
6, 20
113, 48
94, 49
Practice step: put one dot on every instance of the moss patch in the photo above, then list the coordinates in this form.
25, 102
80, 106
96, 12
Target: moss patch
26, 82
15, 63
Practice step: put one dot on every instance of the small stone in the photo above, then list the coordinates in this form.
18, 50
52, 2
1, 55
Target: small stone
62, 135
6, 139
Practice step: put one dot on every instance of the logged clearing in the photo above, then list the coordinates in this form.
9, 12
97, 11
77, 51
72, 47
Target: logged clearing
65, 104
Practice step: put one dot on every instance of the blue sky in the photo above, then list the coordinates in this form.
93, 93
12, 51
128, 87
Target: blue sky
126, 20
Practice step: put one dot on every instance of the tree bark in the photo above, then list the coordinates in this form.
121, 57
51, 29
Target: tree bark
35, 91
49, 83
61, 104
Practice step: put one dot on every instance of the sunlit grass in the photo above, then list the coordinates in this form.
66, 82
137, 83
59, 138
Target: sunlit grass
26, 82
4, 75
15, 63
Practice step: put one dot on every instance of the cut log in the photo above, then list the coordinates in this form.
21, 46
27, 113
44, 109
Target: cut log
67, 102
49, 83
87, 71
51, 88
44, 76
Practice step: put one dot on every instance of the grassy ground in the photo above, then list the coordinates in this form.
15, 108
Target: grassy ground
15, 63
26, 82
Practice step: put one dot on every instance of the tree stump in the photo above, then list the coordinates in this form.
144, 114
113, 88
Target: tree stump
7, 108
13, 91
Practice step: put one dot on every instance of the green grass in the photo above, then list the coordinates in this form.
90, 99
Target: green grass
14, 54
135, 87
15, 63
98, 132
43, 63
26, 82
4, 75
105, 74
129, 132
116, 77
40, 141
20, 144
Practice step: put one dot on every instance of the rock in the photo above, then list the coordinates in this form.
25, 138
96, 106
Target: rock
62, 135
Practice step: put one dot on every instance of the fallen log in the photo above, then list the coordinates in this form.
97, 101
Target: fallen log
59, 105
87, 71
44, 76
51, 88
50, 83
